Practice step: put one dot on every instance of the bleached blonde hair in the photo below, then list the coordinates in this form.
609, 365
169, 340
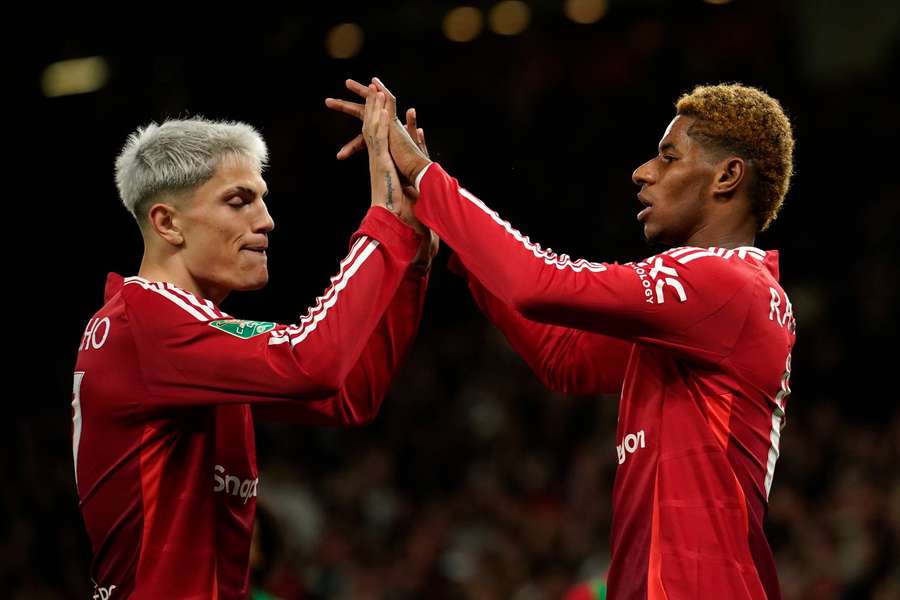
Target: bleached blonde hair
179, 156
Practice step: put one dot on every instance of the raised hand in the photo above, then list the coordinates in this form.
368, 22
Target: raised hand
386, 190
430, 242
412, 135
407, 145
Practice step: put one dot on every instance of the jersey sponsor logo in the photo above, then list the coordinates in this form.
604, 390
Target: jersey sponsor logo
102, 593
95, 334
243, 329
242, 488
630, 444
656, 278
775, 311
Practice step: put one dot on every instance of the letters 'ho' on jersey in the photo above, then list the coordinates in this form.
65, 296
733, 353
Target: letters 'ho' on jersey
166, 386
698, 341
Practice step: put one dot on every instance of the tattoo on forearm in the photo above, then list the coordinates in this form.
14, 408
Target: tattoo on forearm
390, 191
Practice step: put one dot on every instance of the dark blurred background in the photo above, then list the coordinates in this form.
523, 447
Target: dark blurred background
474, 482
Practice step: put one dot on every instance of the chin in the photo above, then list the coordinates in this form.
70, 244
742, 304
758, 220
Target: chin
255, 282
258, 284
651, 236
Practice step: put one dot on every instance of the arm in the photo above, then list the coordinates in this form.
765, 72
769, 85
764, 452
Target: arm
189, 356
566, 360
661, 300
358, 400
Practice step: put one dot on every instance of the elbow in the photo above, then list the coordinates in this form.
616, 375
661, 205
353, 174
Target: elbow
359, 420
318, 385
522, 301
530, 307
358, 416
322, 380
552, 381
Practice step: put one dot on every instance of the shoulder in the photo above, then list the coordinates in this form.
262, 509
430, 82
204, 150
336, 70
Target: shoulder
731, 264
689, 271
160, 301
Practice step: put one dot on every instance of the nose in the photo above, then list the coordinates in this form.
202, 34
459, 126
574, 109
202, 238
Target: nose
265, 222
643, 175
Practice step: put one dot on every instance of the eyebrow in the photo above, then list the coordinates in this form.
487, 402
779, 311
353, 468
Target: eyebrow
667, 146
243, 190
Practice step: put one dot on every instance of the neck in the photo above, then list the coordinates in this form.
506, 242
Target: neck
724, 241
708, 236
171, 270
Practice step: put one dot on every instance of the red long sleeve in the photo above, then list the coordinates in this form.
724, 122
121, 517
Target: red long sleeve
660, 302
191, 354
359, 399
566, 360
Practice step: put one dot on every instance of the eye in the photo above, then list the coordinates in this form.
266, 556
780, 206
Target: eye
667, 158
237, 201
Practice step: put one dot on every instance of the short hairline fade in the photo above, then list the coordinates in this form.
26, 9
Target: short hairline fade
746, 121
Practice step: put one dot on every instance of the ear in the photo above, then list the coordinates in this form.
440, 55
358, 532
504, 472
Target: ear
731, 172
162, 220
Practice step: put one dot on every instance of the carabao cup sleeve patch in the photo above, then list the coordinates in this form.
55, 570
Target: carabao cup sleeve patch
242, 329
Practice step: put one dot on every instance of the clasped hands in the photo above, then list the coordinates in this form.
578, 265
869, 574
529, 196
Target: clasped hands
397, 154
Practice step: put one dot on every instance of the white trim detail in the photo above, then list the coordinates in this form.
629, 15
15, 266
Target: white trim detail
421, 175
206, 306
357, 263
560, 261
777, 424
699, 254
280, 336
687, 254
775, 437
76, 420
676, 252
156, 287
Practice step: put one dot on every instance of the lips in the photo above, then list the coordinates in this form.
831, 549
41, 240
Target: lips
260, 250
641, 216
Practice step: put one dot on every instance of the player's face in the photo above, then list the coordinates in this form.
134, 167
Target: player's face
675, 187
225, 227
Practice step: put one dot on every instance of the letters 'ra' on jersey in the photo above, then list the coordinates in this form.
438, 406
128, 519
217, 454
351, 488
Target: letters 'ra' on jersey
166, 387
697, 340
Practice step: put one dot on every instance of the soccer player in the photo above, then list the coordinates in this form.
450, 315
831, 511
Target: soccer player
167, 384
697, 338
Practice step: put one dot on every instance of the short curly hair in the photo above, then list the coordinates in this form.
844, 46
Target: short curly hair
750, 123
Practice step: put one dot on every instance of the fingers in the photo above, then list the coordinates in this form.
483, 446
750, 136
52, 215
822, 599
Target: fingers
384, 120
383, 88
411, 123
420, 140
352, 147
391, 101
368, 124
351, 108
357, 88
377, 122
416, 133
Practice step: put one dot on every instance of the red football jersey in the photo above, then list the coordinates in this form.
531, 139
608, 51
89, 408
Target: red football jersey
698, 341
166, 386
